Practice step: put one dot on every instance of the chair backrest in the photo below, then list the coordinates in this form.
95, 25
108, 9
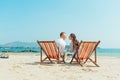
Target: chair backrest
86, 48
49, 48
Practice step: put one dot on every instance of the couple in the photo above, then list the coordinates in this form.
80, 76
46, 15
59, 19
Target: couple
62, 44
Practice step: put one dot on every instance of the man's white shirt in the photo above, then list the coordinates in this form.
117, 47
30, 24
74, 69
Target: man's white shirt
61, 44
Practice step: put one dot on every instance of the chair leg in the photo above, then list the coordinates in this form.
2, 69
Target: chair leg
79, 62
72, 59
63, 58
44, 59
58, 62
93, 62
41, 56
85, 61
64, 61
50, 60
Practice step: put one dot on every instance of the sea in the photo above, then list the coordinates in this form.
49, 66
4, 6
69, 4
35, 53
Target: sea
36, 50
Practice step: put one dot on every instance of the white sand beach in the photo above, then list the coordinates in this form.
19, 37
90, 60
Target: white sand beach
27, 67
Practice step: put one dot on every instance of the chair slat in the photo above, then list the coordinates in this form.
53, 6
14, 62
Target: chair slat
86, 49
49, 48
94, 47
85, 46
89, 49
53, 50
80, 48
56, 48
44, 48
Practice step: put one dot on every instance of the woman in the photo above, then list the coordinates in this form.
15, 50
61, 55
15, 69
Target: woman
74, 43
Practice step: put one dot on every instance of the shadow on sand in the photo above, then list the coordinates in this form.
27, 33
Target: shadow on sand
47, 63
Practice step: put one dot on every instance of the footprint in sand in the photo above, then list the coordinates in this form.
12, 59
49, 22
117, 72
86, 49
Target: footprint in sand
17, 66
88, 70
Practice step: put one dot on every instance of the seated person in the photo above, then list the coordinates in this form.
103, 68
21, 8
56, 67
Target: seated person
62, 44
74, 43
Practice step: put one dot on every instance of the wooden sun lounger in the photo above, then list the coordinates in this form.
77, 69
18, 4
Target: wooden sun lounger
84, 52
50, 49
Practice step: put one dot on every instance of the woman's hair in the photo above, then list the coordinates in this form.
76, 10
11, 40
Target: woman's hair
74, 40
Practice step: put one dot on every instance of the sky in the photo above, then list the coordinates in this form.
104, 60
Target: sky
31, 20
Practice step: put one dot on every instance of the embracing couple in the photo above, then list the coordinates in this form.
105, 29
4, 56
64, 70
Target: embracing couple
62, 44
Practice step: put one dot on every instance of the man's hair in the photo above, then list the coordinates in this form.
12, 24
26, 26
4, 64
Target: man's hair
62, 33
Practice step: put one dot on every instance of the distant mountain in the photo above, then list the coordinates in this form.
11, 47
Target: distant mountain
20, 44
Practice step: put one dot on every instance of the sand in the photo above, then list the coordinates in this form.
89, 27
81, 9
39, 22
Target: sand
27, 67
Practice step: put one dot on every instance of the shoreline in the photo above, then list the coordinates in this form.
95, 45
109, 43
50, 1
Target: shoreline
34, 53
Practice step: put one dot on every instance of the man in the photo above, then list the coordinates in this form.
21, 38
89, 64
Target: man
61, 45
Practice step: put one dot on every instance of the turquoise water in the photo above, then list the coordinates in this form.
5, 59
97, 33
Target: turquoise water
100, 51
19, 49
108, 52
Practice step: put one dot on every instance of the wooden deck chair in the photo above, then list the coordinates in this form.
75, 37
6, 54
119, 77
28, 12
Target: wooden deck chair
84, 52
50, 49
